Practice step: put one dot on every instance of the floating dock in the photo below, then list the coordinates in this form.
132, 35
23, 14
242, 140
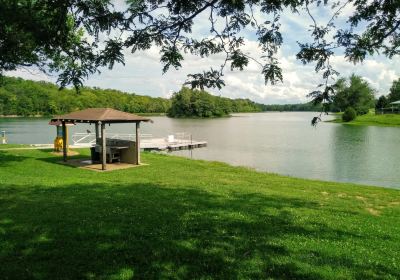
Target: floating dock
175, 142
161, 144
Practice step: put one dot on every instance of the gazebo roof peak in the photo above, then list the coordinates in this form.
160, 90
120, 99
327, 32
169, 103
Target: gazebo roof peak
107, 115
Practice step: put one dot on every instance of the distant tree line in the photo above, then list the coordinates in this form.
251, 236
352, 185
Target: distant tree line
28, 98
300, 107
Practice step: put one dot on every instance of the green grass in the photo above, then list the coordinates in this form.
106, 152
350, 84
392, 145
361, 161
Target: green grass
12, 146
178, 218
372, 119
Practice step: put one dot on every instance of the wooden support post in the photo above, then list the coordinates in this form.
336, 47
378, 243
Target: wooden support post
97, 132
64, 136
138, 143
103, 147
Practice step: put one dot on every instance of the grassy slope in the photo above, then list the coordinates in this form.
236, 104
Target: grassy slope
179, 218
372, 119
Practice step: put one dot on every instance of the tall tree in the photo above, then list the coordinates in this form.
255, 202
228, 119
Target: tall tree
76, 38
340, 99
381, 103
394, 94
354, 92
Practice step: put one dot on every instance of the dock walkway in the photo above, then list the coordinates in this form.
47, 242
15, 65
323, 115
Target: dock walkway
147, 143
175, 142
161, 144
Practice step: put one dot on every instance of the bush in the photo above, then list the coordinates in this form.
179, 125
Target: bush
362, 110
349, 114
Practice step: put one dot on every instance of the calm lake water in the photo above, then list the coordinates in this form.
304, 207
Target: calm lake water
283, 143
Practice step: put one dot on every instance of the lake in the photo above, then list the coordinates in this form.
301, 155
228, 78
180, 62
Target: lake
283, 143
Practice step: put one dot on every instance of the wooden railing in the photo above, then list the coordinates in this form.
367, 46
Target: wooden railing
382, 111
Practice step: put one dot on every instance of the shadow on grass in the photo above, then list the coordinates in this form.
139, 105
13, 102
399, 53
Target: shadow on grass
148, 231
58, 159
7, 158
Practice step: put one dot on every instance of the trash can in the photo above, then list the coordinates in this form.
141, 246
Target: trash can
95, 156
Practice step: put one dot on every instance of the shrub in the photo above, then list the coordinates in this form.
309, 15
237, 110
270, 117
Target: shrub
362, 110
349, 114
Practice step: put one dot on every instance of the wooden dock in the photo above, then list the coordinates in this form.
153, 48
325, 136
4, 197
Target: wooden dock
175, 142
161, 144
155, 144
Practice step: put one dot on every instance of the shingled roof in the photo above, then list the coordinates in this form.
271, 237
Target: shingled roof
105, 115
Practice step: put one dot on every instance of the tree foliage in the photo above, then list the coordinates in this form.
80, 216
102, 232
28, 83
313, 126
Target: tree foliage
394, 94
76, 38
300, 107
381, 103
27, 98
353, 92
200, 104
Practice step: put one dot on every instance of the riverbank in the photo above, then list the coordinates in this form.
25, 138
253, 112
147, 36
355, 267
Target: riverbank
371, 119
182, 218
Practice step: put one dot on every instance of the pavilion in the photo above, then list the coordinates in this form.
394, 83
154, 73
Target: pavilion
395, 104
100, 117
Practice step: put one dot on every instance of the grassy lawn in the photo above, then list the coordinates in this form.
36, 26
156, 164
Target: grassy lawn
372, 119
178, 218
12, 146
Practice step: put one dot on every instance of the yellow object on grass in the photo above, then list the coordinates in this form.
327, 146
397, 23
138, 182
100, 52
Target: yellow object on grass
58, 144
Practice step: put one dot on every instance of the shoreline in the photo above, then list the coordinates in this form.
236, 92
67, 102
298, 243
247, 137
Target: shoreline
27, 147
370, 119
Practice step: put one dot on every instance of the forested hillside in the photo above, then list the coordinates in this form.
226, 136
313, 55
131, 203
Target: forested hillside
27, 98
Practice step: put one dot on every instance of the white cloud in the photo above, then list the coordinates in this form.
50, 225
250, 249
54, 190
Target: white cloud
31, 74
378, 71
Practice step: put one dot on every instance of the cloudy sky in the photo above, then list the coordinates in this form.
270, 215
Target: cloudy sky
142, 72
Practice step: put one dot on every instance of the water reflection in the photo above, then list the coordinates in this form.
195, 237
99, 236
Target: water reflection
368, 155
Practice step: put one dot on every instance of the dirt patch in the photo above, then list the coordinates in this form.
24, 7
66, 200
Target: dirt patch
364, 199
88, 165
368, 207
373, 211
70, 153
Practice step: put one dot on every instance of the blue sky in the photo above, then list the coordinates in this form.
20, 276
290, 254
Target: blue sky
142, 73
